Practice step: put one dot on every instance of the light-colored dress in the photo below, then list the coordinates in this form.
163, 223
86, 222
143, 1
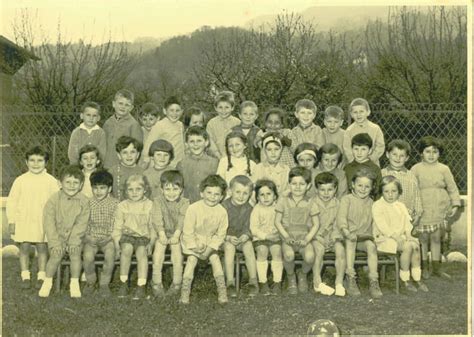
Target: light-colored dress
239, 167
262, 222
26, 201
278, 174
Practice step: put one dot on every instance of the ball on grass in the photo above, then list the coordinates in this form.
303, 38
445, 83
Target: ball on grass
323, 328
10, 250
456, 257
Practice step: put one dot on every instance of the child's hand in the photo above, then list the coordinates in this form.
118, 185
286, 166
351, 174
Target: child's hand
453, 211
200, 248
352, 237
149, 249
117, 251
244, 238
233, 240
272, 237
11, 228
290, 241
163, 240
173, 240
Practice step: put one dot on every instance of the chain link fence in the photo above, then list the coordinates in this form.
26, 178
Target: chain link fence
24, 127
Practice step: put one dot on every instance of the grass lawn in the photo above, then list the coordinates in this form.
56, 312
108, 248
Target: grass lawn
441, 311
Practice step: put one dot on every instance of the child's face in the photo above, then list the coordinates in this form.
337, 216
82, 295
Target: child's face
197, 144
239, 194
273, 123
71, 185
265, 196
430, 155
212, 195
224, 109
128, 156
173, 112
90, 117
390, 192
361, 153
122, 106
236, 147
305, 116
135, 191
36, 164
332, 124
273, 152
359, 114
329, 161
197, 120
307, 161
101, 192
299, 186
148, 121
362, 187
89, 161
161, 159
397, 158
171, 192
326, 192
248, 116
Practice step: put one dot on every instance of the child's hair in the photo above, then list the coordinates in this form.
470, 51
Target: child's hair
399, 144
362, 139
276, 111
325, 178
225, 96
170, 101
38, 151
173, 177
271, 137
428, 141
359, 101
90, 104
161, 145
242, 180
125, 94
306, 148
249, 104
196, 131
89, 148
101, 177
364, 173
72, 171
307, 104
124, 141
140, 178
268, 183
330, 148
388, 180
149, 108
334, 111
193, 111
299, 171
241, 136
213, 180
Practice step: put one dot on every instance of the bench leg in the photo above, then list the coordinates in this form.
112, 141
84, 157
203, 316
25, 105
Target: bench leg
397, 277
58, 279
383, 270
237, 272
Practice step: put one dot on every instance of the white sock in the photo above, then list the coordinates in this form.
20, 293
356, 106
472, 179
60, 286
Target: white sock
405, 275
277, 270
46, 287
141, 282
74, 282
25, 275
262, 268
416, 274
41, 275
48, 281
123, 278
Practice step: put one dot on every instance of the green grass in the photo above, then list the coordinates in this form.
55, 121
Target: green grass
441, 311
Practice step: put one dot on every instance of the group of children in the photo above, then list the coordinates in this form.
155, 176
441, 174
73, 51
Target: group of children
202, 192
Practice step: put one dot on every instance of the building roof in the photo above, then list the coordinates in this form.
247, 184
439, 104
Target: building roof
12, 56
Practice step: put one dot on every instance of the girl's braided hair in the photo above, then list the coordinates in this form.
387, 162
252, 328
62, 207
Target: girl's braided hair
241, 136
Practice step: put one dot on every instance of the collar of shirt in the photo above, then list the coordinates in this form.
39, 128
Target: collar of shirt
391, 168
363, 125
68, 197
123, 118
89, 131
322, 204
305, 198
275, 168
304, 129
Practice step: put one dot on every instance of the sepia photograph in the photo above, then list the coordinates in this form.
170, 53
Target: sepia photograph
236, 167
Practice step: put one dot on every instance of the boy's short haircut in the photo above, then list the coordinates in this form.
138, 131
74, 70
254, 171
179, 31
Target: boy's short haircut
125, 141
242, 180
299, 171
38, 151
89, 148
193, 111
388, 180
225, 96
428, 141
325, 178
330, 148
72, 171
173, 177
90, 104
307, 148
334, 111
125, 94
101, 177
142, 179
213, 180
276, 111
399, 144
306, 104
161, 145
170, 101
359, 101
196, 131
364, 173
266, 183
362, 139
149, 108
247, 104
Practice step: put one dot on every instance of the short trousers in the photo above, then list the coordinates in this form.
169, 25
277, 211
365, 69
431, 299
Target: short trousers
135, 241
97, 242
267, 243
427, 229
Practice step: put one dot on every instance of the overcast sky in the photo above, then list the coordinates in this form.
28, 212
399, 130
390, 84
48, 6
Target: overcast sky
129, 19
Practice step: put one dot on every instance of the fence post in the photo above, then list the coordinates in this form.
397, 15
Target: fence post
54, 155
